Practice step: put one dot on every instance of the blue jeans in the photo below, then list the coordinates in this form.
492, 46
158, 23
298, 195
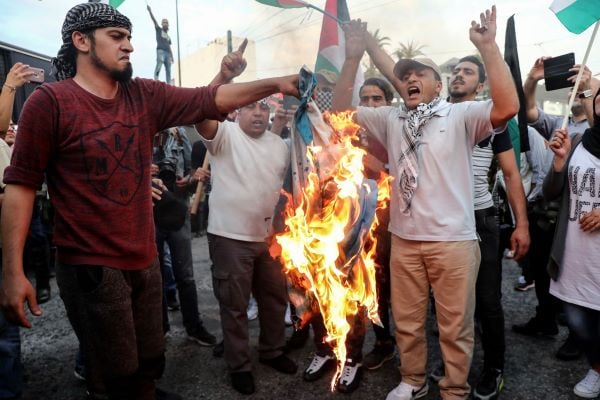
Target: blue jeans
11, 368
585, 324
163, 57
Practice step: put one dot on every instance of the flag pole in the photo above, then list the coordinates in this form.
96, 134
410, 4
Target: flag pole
576, 86
325, 13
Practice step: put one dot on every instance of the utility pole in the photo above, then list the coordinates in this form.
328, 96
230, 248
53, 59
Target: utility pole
229, 42
178, 48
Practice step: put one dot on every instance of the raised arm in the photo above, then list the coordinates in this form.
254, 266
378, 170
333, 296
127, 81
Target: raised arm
502, 87
355, 33
17, 77
152, 16
232, 66
382, 60
529, 87
16, 215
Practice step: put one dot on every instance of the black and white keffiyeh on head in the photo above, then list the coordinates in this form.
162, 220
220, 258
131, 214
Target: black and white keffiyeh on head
408, 163
84, 17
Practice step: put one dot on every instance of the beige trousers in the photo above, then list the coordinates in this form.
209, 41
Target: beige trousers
450, 269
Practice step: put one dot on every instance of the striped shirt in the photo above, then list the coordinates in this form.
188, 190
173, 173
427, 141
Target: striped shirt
483, 153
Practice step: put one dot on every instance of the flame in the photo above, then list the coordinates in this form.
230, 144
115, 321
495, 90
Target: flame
311, 248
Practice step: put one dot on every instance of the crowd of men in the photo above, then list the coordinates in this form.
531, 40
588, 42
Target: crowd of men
120, 170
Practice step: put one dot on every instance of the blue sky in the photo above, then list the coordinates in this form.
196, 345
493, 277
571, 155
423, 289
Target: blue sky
440, 25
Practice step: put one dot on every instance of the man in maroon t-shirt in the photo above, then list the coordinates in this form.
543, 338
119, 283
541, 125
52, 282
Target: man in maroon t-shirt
91, 134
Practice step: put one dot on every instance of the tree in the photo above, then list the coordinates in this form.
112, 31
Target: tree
382, 41
409, 50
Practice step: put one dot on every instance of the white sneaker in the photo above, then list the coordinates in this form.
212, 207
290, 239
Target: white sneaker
404, 391
288, 316
588, 387
252, 311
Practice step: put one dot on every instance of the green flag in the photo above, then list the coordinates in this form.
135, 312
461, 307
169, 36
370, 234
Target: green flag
576, 15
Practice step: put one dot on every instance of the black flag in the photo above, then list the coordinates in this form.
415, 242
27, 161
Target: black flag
511, 56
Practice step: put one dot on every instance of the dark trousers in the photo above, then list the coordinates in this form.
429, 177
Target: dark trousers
241, 267
488, 290
382, 275
180, 244
37, 252
117, 317
354, 340
11, 367
585, 324
542, 233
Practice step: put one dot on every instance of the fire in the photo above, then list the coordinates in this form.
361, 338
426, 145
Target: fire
320, 248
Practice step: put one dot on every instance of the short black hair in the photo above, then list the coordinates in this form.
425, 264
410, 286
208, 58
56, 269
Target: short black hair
476, 61
385, 87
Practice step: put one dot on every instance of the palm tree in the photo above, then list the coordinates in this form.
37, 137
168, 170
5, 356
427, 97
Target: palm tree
409, 50
370, 69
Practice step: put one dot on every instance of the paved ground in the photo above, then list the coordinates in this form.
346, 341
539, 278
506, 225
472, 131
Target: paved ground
49, 350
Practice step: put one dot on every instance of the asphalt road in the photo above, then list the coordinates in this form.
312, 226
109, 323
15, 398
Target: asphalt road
49, 351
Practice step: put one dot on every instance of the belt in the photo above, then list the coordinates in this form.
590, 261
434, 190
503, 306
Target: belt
486, 212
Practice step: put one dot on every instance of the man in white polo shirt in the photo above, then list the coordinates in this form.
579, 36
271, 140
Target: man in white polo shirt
248, 164
434, 244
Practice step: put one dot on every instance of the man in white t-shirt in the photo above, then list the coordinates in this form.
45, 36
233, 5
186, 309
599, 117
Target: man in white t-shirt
248, 165
434, 244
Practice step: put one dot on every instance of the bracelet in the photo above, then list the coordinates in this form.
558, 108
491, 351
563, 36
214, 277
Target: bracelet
12, 88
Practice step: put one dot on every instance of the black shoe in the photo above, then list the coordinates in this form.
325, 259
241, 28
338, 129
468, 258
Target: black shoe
280, 363
219, 349
243, 382
381, 353
490, 384
42, 295
569, 350
164, 395
350, 378
202, 337
297, 340
534, 328
172, 303
318, 367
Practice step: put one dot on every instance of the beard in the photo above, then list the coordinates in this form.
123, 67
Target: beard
577, 109
123, 75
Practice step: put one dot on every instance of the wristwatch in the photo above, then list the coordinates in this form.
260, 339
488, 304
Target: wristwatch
585, 94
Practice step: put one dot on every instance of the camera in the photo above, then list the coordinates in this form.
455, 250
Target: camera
167, 172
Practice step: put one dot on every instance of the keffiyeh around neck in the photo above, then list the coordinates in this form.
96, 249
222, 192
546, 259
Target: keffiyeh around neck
84, 17
408, 163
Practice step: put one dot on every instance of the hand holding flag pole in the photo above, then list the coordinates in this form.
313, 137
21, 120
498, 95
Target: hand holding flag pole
579, 75
577, 16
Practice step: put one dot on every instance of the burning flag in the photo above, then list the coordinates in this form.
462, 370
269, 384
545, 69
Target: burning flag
328, 246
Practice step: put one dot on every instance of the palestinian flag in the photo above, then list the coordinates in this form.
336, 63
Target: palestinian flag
332, 51
576, 15
113, 3
284, 3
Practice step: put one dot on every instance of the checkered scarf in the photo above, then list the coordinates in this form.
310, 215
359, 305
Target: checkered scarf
84, 17
408, 163
323, 100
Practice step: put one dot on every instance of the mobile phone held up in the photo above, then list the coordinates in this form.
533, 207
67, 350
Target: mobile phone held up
37, 75
556, 71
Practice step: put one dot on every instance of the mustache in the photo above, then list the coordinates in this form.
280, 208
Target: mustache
458, 80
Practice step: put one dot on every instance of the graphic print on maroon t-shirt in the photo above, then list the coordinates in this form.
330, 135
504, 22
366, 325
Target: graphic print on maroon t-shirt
113, 162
